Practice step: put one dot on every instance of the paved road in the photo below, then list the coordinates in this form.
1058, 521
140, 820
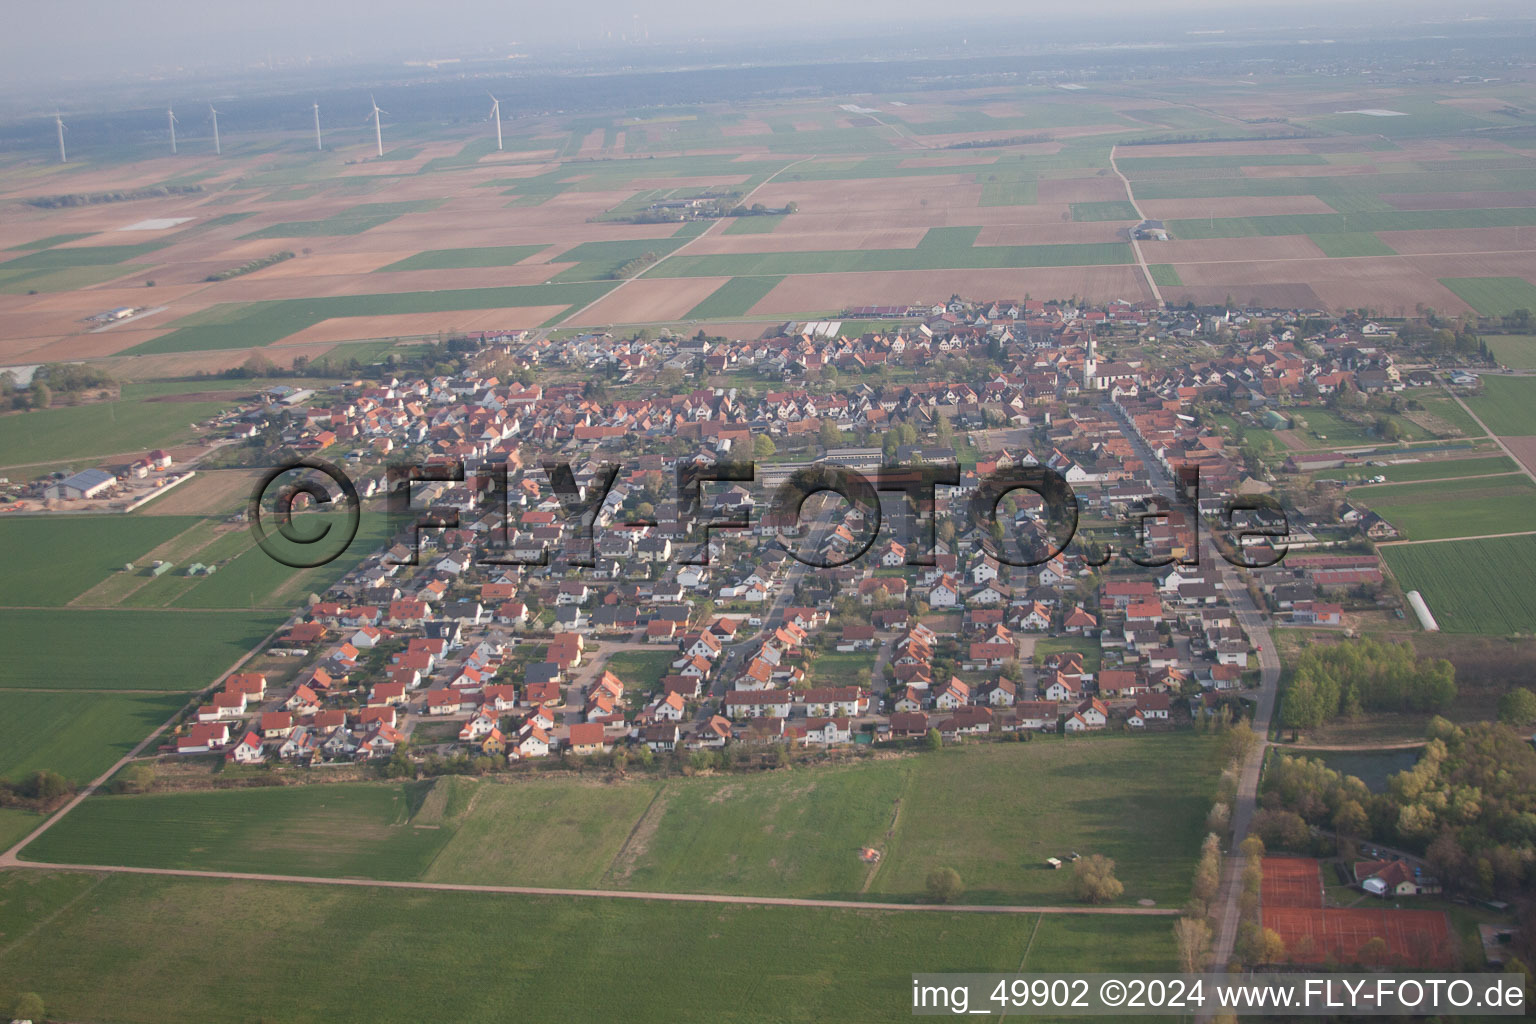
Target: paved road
9, 861
1141, 260
1257, 629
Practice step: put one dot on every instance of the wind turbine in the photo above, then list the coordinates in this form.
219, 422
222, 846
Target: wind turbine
378, 131
496, 116
58, 121
318, 143
170, 117
218, 150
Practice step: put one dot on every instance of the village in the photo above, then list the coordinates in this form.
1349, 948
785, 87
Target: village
472, 639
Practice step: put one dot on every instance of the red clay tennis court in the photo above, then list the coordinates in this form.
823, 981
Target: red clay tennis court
1414, 938
1291, 882
1292, 898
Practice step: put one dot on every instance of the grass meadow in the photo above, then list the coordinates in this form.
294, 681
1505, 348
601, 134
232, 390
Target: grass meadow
336, 955
994, 812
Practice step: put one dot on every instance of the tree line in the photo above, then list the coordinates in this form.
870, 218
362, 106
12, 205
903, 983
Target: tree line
1352, 678
95, 198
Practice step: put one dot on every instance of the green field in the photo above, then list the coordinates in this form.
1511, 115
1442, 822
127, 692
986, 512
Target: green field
1328, 428
462, 259
839, 668
1353, 243
1457, 508
23, 282
600, 261
15, 824
734, 298
357, 830
254, 579
353, 221
1440, 469
78, 735
50, 560
1089, 649
124, 650
642, 669
47, 243
1118, 209
1472, 586
312, 954
924, 257
1336, 223
129, 426
1165, 275
993, 811
1507, 405
754, 225
261, 323
1517, 351
1494, 296
1448, 410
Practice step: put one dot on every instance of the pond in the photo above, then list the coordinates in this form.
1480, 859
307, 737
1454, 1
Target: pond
1372, 767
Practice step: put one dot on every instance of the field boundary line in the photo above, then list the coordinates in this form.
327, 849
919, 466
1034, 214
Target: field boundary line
634, 830
9, 861
1448, 540
10, 947
1025, 958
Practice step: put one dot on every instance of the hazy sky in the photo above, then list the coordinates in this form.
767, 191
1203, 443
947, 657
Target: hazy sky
63, 38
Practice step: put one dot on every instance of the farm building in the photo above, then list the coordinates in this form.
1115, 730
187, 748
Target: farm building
88, 483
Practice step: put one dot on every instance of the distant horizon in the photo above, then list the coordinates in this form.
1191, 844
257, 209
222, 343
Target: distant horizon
177, 38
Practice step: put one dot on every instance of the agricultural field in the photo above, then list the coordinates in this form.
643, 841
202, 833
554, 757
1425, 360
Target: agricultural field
1507, 405
1494, 296
464, 259
735, 297
15, 825
75, 733
372, 938
130, 426
99, 649
790, 833
342, 830
1008, 188
1457, 508
1472, 586
53, 560
1517, 351
1441, 469
1444, 414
